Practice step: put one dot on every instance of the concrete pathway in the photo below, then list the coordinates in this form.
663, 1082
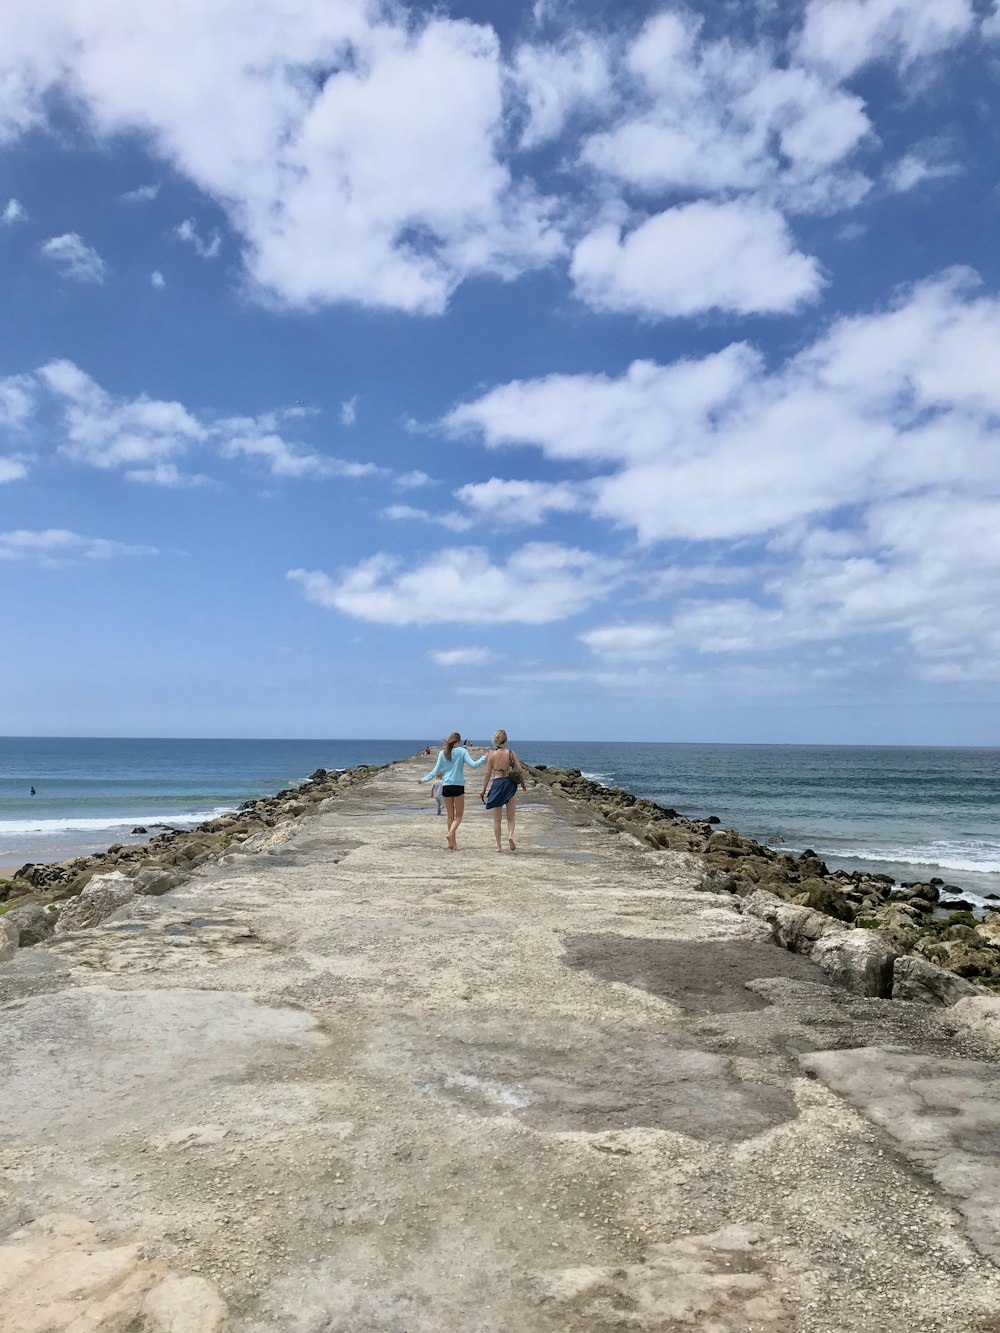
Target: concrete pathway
359, 1083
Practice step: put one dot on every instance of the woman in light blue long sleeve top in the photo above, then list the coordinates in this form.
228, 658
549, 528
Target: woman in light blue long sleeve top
451, 764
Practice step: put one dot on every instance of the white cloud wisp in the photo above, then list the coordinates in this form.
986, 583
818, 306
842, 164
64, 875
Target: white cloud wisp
537, 584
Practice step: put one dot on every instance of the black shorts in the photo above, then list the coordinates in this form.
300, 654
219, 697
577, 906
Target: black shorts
450, 790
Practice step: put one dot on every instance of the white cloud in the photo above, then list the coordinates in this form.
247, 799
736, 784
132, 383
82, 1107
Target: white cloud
187, 232
349, 411
449, 519
459, 657
536, 584
142, 194
14, 211
144, 437
167, 475
413, 480
12, 469
914, 169
553, 81
519, 502
868, 465
843, 36
719, 448
17, 401
714, 117
991, 24
107, 432
157, 280
637, 642
74, 258
58, 545
260, 438
737, 257
357, 149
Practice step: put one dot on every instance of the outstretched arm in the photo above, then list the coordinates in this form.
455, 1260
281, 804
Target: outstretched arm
475, 763
486, 775
436, 769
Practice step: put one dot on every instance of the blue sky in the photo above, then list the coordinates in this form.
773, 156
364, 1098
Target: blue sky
609, 372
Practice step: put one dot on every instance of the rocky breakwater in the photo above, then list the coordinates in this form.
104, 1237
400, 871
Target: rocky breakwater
55, 898
868, 933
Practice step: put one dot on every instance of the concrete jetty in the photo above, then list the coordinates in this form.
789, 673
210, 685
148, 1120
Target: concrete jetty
357, 1083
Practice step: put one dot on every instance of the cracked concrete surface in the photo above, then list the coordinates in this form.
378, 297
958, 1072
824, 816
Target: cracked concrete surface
357, 1083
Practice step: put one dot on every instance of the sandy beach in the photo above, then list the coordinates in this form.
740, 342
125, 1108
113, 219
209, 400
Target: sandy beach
352, 1082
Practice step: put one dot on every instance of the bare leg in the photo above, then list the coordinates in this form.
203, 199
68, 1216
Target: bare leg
459, 811
511, 808
497, 812
449, 802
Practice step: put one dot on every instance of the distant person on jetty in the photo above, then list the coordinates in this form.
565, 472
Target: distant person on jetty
436, 787
451, 762
503, 777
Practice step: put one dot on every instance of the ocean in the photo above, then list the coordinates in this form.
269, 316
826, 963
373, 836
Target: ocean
912, 813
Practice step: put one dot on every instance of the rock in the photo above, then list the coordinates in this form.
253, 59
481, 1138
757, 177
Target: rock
989, 928
318, 775
823, 896
139, 829
858, 960
957, 905
723, 840
961, 934
916, 979
102, 896
154, 880
968, 957
921, 904
9, 938
185, 1305
899, 925
796, 928
982, 1013
33, 923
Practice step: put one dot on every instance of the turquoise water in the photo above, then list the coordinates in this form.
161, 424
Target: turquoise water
911, 813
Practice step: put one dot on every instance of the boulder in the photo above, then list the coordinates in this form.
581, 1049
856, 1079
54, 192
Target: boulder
989, 928
33, 923
917, 979
154, 880
9, 938
103, 895
822, 896
726, 839
980, 1012
858, 960
796, 928
968, 957
899, 924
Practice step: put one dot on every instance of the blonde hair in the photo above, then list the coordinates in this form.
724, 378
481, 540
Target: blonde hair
500, 737
453, 739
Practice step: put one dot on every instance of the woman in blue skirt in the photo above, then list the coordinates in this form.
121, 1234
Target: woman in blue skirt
503, 772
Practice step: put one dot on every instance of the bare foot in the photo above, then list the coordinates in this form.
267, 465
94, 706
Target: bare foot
512, 844
451, 842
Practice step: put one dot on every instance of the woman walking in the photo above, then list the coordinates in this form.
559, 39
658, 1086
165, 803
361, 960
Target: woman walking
502, 777
451, 762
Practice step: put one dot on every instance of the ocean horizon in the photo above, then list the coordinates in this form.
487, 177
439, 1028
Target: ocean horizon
909, 811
